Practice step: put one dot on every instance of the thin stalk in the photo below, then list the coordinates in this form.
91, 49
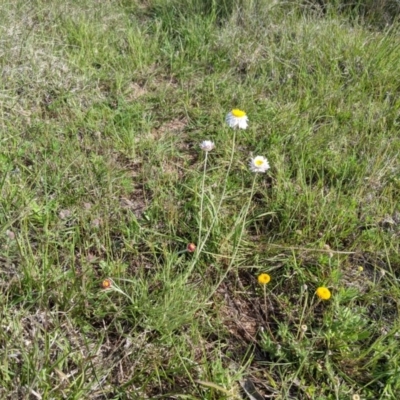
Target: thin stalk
201, 243
238, 241
202, 197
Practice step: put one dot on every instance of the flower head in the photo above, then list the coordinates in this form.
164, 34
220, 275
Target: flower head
304, 328
263, 279
323, 293
207, 145
191, 247
259, 164
237, 118
106, 284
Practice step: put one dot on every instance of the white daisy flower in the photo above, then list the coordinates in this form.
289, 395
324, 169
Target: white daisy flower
207, 145
259, 164
237, 118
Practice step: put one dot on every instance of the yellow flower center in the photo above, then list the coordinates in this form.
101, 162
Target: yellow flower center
258, 162
238, 113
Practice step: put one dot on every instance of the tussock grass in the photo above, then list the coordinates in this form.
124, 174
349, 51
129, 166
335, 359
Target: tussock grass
103, 107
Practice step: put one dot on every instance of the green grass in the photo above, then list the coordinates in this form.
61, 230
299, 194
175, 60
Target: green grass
103, 107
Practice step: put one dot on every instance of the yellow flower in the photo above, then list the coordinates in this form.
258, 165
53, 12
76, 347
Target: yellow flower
323, 293
263, 279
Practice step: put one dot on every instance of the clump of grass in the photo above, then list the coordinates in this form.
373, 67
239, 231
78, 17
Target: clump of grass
103, 186
376, 13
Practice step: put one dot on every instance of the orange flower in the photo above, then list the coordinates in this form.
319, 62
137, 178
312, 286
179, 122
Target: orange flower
106, 284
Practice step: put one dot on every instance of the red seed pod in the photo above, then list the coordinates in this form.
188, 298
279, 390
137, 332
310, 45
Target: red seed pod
191, 247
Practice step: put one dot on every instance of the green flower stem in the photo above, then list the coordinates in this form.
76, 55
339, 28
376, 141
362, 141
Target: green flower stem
202, 197
201, 244
233, 258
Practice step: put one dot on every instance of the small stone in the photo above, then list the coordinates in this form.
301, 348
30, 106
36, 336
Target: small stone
10, 234
96, 223
87, 206
64, 214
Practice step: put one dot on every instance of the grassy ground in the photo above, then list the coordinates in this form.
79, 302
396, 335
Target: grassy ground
103, 107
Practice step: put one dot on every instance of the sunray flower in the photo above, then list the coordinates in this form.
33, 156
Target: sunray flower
263, 279
323, 293
237, 119
207, 145
259, 164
